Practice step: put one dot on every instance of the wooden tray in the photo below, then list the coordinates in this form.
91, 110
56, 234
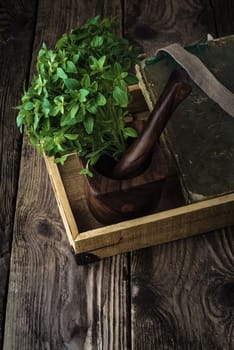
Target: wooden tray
173, 220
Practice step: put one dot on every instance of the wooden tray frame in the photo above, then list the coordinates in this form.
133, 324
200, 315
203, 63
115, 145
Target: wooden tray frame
166, 226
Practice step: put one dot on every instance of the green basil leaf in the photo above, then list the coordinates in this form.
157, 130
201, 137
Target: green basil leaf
55, 111
93, 63
94, 86
74, 110
91, 105
36, 121
71, 83
88, 125
28, 106
94, 156
71, 68
86, 171
117, 68
123, 85
60, 148
94, 20
76, 57
61, 74
108, 75
46, 103
101, 62
66, 120
120, 97
71, 137
46, 107
80, 115
83, 94
124, 75
19, 121
101, 100
85, 81
92, 108
97, 41
62, 42
61, 160
130, 132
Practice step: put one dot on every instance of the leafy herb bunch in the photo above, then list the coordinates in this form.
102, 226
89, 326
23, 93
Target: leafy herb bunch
78, 99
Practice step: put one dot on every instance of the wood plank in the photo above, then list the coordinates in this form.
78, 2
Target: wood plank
154, 24
182, 291
42, 266
16, 34
52, 303
165, 226
182, 294
62, 200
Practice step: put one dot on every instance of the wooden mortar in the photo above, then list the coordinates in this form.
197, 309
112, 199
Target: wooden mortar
135, 184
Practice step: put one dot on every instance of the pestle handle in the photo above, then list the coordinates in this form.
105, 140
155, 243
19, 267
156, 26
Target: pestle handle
137, 156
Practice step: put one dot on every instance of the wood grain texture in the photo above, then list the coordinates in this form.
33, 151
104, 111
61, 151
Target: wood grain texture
73, 305
53, 304
16, 35
158, 228
154, 24
182, 294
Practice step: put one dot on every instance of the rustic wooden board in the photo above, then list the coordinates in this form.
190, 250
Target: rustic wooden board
53, 304
154, 24
16, 34
158, 228
182, 292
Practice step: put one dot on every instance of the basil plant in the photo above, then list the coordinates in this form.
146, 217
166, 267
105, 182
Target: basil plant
78, 98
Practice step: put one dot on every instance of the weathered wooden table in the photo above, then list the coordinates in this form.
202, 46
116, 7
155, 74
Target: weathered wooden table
175, 296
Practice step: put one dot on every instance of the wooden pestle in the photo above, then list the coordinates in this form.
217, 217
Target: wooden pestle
139, 153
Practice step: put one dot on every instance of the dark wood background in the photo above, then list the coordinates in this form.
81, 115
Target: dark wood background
175, 296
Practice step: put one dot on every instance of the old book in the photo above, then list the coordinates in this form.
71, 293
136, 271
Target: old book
199, 134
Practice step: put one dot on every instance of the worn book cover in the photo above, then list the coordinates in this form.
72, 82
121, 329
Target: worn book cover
199, 134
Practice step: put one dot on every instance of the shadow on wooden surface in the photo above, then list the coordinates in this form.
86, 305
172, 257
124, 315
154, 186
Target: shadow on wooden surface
16, 36
175, 296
